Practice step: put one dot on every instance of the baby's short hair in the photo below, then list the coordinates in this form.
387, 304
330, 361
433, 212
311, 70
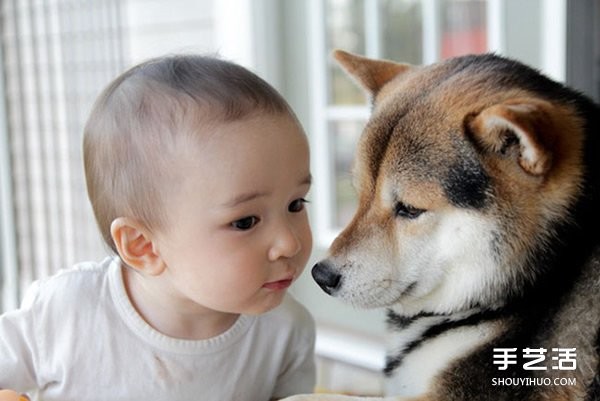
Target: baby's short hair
139, 116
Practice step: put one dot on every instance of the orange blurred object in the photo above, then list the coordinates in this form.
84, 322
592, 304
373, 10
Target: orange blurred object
10, 395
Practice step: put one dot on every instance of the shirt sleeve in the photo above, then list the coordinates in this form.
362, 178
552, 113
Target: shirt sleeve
18, 347
299, 373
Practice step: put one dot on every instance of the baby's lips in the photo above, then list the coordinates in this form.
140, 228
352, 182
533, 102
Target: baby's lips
10, 395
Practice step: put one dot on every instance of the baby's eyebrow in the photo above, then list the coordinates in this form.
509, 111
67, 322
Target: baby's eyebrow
248, 196
243, 198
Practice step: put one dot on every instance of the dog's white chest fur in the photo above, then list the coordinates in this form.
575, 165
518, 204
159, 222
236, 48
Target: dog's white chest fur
420, 366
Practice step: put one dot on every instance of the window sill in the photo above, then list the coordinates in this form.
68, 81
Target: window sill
362, 350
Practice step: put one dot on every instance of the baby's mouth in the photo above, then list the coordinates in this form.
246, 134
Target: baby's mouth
279, 284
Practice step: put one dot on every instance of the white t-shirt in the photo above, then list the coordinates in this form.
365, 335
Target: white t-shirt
78, 337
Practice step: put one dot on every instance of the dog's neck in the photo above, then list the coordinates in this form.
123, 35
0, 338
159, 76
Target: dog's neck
412, 332
424, 345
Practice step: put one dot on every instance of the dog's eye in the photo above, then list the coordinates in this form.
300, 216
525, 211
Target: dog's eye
407, 211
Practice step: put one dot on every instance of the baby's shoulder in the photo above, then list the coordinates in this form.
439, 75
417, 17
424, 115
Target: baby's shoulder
84, 281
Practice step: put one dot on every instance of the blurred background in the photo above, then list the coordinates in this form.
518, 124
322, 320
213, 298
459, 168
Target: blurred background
56, 56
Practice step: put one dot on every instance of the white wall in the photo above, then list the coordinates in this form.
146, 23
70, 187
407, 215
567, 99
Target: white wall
158, 27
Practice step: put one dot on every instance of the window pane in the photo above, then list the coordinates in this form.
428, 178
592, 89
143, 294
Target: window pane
343, 136
463, 27
402, 30
345, 30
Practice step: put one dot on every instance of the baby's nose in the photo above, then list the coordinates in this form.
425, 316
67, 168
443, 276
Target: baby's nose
286, 244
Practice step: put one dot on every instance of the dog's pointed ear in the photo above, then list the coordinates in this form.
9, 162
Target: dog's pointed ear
523, 126
371, 74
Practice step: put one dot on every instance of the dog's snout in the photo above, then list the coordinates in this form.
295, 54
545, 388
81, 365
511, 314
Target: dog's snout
326, 277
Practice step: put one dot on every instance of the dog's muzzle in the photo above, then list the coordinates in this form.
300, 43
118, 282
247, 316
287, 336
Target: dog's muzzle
327, 278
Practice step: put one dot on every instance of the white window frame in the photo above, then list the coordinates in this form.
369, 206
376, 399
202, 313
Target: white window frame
8, 258
247, 33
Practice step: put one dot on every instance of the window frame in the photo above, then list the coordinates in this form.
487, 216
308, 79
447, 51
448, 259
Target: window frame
8, 255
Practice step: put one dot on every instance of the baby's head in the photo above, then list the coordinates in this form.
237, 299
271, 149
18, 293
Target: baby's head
197, 171
140, 122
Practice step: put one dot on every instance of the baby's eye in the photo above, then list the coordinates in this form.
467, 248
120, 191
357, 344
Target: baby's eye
245, 224
297, 205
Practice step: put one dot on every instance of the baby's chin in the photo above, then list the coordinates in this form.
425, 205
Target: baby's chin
270, 302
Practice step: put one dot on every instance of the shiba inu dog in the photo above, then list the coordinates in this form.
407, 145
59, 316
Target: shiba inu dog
478, 228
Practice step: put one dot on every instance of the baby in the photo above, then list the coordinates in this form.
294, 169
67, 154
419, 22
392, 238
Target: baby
197, 171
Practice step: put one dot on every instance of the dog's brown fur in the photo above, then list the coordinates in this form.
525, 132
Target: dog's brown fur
478, 185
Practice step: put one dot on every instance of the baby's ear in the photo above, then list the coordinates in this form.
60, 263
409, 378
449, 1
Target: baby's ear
135, 246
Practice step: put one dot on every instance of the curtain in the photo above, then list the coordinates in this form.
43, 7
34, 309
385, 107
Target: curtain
55, 55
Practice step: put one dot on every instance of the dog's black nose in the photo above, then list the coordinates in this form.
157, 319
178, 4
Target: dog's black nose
327, 278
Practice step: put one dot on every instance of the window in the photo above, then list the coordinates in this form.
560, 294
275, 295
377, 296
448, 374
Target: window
413, 31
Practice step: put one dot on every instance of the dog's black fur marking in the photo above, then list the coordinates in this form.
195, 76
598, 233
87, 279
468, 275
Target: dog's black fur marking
393, 362
594, 388
396, 322
466, 184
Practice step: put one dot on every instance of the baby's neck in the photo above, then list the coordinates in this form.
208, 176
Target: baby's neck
169, 315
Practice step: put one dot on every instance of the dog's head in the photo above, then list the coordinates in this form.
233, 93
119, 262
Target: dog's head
463, 172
